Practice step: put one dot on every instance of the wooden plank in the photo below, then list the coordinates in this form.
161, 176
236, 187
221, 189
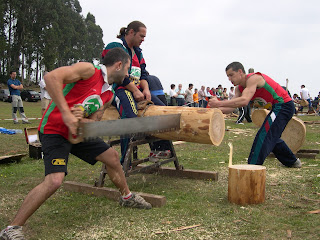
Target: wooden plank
312, 122
309, 151
185, 173
300, 155
11, 158
111, 193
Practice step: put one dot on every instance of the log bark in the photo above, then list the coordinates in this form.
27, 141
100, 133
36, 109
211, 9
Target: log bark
246, 184
294, 134
199, 125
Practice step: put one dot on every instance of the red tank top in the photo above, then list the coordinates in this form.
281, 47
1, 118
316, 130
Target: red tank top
91, 93
271, 93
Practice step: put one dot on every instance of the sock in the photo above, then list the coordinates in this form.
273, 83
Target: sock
127, 196
9, 227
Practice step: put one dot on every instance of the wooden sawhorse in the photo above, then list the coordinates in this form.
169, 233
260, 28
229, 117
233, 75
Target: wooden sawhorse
132, 157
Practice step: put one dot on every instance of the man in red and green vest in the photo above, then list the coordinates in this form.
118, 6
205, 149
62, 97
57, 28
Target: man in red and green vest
260, 88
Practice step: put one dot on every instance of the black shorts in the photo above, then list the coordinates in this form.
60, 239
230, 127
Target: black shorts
56, 151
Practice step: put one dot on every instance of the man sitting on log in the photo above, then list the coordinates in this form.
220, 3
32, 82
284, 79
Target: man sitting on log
259, 87
81, 83
135, 87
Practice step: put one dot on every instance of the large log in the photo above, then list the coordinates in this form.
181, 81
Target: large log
199, 125
294, 134
246, 184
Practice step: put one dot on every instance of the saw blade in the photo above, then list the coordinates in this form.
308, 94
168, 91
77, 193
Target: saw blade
128, 127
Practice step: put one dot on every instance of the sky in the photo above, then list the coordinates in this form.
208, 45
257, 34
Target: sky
192, 41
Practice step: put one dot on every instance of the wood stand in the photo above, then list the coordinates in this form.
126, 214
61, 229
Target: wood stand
246, 184
132, 165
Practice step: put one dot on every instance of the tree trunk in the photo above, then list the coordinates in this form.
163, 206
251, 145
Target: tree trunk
199, 125
246, 184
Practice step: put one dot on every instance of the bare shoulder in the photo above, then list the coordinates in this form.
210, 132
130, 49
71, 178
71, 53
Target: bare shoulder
255, 80
84, 69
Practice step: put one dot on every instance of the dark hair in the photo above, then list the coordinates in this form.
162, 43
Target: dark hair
190, 85
135, 25
251, 70
115, 55
12, 72
235, 66
172, 86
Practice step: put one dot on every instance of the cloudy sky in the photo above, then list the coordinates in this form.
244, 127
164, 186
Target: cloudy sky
192, 41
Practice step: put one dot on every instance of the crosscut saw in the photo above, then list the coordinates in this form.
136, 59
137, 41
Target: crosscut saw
127, 127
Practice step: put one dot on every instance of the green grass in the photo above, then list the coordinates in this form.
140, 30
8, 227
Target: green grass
290, 194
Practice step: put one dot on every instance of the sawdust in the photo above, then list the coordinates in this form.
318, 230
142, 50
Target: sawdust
240, 131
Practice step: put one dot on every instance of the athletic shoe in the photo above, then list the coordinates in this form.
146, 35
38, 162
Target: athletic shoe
135, 201
297, 164
155, 156
13, 233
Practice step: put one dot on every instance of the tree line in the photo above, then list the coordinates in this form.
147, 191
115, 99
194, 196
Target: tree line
38, 35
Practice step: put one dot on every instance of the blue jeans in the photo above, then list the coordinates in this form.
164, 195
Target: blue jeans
127, 108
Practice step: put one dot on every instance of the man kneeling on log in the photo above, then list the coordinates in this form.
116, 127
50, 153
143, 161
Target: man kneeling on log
259, 87
82, 83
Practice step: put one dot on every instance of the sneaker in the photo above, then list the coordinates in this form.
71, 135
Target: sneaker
297, 164
135, 201
155, 156
13, 233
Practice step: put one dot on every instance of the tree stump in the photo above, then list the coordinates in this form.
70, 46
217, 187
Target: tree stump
246, 184
294, 134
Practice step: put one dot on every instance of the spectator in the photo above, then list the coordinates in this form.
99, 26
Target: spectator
173, 95
231, 93
189, 96
304, 93
45, 97
156, 88
296, 102
15, 86
181, 95
208, 93
195, 98
202, 97
225, 94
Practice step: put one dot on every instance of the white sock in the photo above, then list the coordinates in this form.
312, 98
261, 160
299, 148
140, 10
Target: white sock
127, 196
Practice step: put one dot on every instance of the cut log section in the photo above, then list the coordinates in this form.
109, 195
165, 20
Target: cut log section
294, 134
246, 184
199, 125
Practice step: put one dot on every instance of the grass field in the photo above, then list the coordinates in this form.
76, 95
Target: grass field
290, 194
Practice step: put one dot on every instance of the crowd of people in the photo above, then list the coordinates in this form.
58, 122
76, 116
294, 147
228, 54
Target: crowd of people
197, 97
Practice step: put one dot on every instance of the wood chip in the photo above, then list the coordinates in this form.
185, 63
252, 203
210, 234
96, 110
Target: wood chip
289, 234
314, 212
179, 229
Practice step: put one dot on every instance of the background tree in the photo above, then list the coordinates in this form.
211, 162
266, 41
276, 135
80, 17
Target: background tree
37, 35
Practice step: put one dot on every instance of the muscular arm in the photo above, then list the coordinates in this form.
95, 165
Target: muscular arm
54, 84
145, 86
240, 99
137, 94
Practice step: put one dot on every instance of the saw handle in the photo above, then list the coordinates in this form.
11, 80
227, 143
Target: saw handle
79, 137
